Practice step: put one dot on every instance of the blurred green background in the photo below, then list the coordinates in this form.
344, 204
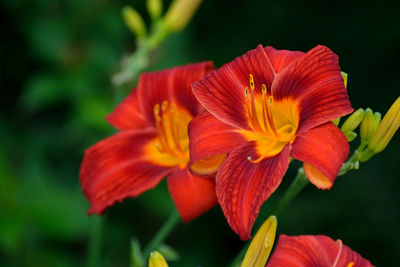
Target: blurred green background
57, 58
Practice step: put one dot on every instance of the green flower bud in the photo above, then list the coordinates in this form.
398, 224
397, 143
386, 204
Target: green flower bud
386, 129
350, 136
353, 121
336, 122
180, 13
155, 8
134, 21
344, 75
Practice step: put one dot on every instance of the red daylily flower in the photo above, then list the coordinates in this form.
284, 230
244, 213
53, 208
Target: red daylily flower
152, 143
314, 251
265, 107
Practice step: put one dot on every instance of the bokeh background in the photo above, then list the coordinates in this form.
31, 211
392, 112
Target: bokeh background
57, 57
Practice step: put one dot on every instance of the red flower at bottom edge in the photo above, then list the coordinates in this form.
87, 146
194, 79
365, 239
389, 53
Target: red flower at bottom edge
314, 251
152, 143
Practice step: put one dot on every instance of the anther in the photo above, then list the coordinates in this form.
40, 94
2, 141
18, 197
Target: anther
264, 89
251, 81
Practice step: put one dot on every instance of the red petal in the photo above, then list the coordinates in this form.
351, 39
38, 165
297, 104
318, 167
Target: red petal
118, 167
347, 255
315, 81
303, 251
172, 85
126, 116
243, 186
313, 251
325, 148
208, 137
191, 194
281, 58
222, 91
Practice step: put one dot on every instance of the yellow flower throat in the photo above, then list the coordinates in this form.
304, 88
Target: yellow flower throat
274, 123
171, 147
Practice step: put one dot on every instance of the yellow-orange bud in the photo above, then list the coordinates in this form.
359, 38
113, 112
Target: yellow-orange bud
260, 247
134, 21
179, 14
157, 260
386, 129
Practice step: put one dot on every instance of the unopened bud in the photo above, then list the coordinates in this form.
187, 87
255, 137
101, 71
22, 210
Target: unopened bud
260, 247
344, 76
353, 121
367, 128
386, 129
155, 8
157, 260
336, 122
350, 136
179, 14
134, 21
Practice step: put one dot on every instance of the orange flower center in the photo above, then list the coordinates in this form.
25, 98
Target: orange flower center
171, 147
274, 123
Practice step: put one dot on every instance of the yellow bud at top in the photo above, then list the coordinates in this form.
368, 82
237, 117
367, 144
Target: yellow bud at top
155, 8
344, 75
157, 260
260, 247
388, 127
353, 121
179, 14
134, 21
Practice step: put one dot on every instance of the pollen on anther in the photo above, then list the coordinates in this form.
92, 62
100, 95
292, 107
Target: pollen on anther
246, 91
251, 81
264, 88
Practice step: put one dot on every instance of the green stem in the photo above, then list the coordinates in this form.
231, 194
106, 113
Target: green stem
94, 246
299, 182
162, 233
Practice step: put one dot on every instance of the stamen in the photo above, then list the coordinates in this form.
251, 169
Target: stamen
268, 111
251, 81
159, 148
168, 129
254, 118
256, 160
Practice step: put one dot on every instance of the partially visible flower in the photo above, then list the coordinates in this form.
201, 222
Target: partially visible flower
157, 260
152, 143
265, 107
260, 247
314, 251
